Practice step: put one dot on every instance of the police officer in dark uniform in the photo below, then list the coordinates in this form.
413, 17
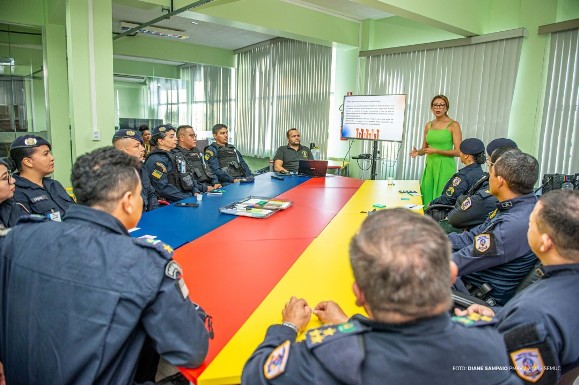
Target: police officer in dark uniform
472, 208
494, 257
77, 309
131, 142
401, 265
168, 169
37, 193
187, 146
225, 161
472, 154
539, 324
10, 211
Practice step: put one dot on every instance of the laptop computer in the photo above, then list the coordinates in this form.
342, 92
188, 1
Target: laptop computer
313, 167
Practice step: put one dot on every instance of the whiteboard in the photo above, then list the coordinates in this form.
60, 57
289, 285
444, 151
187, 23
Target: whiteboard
374, 117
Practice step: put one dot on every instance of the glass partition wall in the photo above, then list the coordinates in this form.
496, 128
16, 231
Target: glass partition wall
22, 97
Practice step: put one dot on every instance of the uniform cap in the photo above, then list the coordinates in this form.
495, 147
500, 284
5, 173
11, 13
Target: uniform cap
29, 141
128, 133
500, 142
162, 129
472, 146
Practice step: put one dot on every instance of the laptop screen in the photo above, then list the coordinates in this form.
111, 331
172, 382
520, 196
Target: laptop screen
313, 167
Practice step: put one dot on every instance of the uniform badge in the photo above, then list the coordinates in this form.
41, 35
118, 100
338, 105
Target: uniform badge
449, 191
173, 270
493, 214
30, 141
162, 129
456, 181
465, 205
528, 364
157, 174
482, 242
130, 133
305, 154
161, 167
277, 360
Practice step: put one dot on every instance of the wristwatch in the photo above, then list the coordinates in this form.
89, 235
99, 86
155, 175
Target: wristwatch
291, 325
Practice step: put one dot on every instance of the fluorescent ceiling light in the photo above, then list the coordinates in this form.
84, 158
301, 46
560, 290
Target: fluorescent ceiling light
155, 31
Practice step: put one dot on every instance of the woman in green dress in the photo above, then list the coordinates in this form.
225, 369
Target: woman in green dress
442, 137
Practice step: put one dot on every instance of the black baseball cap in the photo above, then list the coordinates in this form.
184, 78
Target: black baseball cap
128, 133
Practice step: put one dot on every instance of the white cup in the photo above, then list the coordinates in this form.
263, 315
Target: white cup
199, 197
390, 181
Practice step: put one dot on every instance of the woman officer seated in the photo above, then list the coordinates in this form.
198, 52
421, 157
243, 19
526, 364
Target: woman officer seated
37, 193
472, 154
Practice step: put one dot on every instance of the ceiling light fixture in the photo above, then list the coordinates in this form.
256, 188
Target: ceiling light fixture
155, 31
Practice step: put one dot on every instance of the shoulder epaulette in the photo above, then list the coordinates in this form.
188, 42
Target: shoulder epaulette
474, 319
164, 249
328, 333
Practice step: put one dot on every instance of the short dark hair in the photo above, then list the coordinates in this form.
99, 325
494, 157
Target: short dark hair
520, 171
18, 154
290, 130
559, 218
400, 260
103, 176
143, 127
217, 127
499, 151
182, 128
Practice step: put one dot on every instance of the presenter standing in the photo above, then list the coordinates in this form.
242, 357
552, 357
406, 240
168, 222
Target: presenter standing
442, 137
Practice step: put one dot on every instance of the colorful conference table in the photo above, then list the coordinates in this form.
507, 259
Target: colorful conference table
243, 270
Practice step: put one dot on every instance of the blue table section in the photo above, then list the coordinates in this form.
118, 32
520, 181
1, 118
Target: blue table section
177, 226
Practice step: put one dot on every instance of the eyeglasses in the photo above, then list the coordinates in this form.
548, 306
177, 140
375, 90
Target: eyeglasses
438, 105
8, 178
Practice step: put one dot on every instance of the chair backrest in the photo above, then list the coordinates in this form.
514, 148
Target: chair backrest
531, 277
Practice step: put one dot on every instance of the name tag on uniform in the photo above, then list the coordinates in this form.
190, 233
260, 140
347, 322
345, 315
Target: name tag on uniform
55, 216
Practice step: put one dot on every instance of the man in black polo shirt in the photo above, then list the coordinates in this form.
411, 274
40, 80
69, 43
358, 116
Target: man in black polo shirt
287, 157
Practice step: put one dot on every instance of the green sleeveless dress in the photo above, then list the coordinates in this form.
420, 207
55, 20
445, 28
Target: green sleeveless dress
439, 168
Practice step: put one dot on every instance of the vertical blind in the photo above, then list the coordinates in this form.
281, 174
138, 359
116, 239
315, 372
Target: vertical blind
559, 141
210, 93
280, 86
478, 79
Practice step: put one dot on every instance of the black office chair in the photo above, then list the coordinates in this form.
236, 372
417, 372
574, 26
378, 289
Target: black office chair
438, 212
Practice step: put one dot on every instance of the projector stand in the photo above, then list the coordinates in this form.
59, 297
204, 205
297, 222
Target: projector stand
373, 160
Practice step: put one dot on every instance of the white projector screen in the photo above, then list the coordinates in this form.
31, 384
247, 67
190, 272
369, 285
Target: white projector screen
374, 117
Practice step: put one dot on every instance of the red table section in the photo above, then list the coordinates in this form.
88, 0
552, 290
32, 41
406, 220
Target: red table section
275, 243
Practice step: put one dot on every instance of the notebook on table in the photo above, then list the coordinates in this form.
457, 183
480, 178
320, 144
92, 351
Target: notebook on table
313, 167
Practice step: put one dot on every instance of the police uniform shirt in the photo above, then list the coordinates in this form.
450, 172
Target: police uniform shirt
497, 252
472, 209
148, 193
212, 158
159, 166
77, 309
459, 184
51, 201
10, 212
291, 158
540, 325
429, 351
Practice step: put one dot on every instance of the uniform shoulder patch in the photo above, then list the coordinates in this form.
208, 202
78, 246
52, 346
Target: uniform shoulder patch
277, 360
450, 191
482, 242
465, 205
173, 270
528, 364
161, 167
493, 214
162, 248
157, 174
456, 181
327, 333
473, 320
